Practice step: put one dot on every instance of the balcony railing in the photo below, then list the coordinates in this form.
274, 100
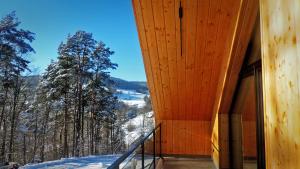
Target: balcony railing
143, 154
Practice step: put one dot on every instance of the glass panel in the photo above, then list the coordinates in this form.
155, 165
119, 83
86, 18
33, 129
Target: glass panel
149, 151
133, 161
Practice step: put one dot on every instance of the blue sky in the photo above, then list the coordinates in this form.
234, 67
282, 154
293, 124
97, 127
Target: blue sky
111, 21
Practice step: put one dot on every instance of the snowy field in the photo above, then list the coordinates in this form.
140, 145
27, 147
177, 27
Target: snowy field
88, 162
131, 98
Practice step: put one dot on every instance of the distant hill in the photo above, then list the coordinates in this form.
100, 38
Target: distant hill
140, 87
137, 86
32, 81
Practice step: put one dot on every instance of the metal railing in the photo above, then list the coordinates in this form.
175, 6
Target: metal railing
135, 156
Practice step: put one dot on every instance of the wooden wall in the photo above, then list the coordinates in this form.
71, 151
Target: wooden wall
280, 25
186, 137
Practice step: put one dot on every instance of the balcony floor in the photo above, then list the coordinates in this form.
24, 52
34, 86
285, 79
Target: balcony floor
188, 163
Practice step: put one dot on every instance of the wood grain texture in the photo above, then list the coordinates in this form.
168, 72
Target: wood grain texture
184, 68
280, 28
184, 85
229, 72
249, 139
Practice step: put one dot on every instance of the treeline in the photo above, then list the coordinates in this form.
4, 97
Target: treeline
72, 111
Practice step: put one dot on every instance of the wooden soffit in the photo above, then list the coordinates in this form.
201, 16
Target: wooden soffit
184, 56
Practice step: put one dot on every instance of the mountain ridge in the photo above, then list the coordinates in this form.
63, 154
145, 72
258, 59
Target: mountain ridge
138, 86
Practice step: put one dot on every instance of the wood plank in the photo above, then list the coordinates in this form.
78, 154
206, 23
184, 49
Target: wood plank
169, 19
203, 9
249, 139
280, 63
147, 13
179, 137
195, 134
212, 24
159, 24
190, 16
146, 57
210, 33
190, 137
244, 30
167, 136
227, 12
181, 61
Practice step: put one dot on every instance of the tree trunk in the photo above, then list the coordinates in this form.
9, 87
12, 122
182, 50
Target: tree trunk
60, 143
24, 149
82, 131
54, 138
79, 109
13, 119
111, 138
97, 139
2, 155
74, 127
3, 108
45, 126
88, 135
35, 137
92, 133
66, 149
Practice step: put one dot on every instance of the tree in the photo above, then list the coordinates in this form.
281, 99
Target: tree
91, 61
14, 43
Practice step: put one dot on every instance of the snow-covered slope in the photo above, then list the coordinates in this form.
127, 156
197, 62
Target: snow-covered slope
141, 124
88, 162
131, 98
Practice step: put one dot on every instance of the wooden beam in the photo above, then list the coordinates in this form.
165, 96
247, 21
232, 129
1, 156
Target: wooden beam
232, 65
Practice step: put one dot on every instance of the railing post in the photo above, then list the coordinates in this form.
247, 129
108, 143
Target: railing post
154, 148
160, 155
143, 157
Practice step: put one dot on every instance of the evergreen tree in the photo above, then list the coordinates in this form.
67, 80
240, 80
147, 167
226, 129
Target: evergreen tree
14, 43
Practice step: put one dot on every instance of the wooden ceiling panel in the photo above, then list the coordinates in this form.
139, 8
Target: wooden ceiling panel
180, 64
190, 31
170, 37
202, 20
183, 61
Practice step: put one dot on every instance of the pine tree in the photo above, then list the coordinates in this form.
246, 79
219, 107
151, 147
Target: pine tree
14, 43
91, 61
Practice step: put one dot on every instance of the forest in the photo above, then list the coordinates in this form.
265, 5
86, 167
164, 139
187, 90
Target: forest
70, 110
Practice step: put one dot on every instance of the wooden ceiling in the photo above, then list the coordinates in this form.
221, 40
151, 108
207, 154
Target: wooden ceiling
183, 62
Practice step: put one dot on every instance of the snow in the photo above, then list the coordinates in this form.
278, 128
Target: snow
88, 162
131, 98
137, 122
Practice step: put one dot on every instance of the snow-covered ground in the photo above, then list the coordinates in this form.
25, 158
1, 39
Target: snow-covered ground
141, 123
131, 98
88, 162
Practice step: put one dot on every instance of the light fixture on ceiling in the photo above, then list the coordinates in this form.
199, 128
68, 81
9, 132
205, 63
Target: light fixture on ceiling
180, 11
